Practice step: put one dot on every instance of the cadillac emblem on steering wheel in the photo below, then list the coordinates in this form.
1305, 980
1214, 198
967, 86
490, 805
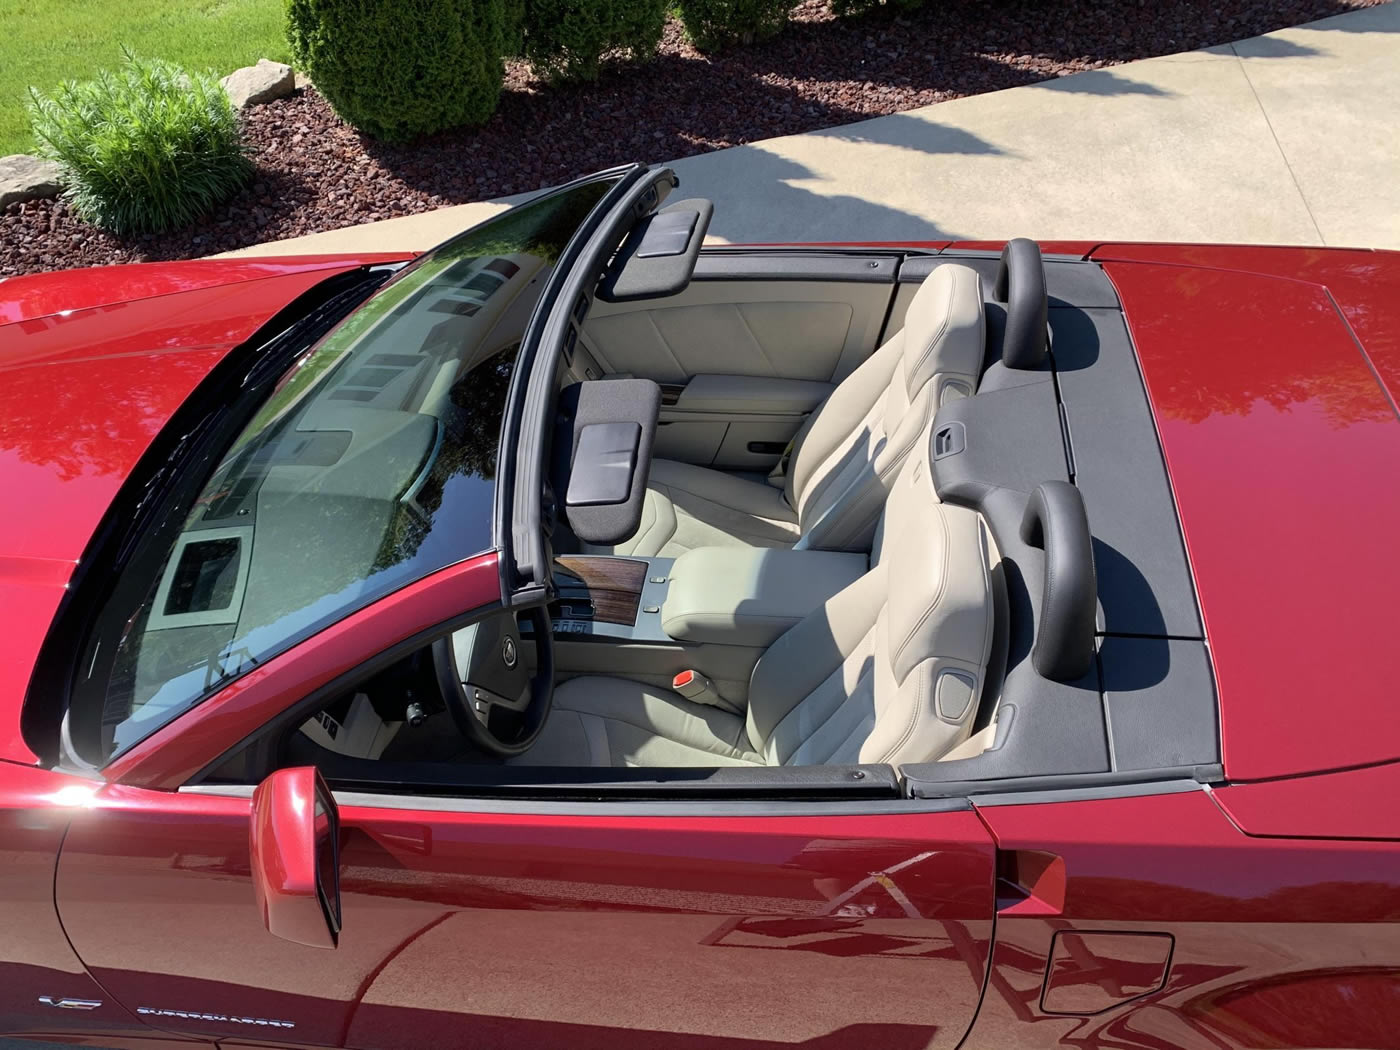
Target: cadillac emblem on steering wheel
508, 651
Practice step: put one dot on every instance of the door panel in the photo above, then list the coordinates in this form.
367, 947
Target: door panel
1273, 942
578, 929
794, 329
36, 962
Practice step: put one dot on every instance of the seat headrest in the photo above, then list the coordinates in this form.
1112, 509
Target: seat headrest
945, 331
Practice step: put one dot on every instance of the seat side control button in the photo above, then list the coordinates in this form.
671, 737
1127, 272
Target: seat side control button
658, 579
651, 608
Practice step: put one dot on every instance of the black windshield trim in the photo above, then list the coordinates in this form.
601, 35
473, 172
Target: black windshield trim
219, 406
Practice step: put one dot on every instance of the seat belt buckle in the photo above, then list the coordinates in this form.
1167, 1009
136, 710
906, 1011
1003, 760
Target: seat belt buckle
698, 689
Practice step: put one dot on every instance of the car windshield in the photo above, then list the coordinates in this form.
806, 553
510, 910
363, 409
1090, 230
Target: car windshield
371, 464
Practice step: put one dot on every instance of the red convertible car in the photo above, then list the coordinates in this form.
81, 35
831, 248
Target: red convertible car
576, 636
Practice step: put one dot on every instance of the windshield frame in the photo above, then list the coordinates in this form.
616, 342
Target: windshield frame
63, 713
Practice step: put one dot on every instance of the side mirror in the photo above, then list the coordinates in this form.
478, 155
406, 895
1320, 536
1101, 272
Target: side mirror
294, 842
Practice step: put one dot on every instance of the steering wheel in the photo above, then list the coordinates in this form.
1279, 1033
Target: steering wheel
495, 702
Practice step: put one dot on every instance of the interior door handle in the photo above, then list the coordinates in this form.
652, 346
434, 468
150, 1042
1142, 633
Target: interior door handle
1030, 882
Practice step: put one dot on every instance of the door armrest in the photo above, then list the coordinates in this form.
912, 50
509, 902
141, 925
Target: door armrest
729, 395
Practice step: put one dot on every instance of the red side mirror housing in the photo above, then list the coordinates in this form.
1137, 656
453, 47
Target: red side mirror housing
294, 842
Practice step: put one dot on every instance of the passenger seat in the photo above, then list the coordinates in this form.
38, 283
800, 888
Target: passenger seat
847, 454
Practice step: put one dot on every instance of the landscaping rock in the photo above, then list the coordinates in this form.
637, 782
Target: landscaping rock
261, 83
316, 173
25, 178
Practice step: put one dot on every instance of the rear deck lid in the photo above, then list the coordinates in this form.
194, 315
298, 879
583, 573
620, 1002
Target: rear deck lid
1284, 458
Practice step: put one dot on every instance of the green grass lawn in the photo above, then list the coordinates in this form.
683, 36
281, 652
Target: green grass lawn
44, 42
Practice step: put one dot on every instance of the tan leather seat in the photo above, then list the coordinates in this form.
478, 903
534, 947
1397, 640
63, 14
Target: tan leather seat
889, 670
847, 454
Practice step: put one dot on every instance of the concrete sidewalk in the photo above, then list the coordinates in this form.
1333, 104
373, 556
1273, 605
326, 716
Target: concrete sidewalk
1292, 137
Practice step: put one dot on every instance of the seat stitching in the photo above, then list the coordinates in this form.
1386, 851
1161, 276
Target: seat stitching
863, 676
649, 729
908, 729
701, 497
837, 459
848, 507
940, 331
656, 522
832, 713
834, 672
937, 594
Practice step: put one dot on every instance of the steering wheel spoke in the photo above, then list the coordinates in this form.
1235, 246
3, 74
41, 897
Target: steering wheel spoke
480, 669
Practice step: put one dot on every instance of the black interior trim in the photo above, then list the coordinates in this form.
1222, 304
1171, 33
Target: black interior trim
1020, 284
659, 254
172, 468
526, 430
349, 773
1056, 522
809, 265
1063, 787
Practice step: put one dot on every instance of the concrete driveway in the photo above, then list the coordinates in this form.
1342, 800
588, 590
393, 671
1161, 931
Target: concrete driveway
1289, 138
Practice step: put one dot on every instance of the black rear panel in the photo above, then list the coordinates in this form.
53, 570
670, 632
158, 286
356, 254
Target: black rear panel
1149, 701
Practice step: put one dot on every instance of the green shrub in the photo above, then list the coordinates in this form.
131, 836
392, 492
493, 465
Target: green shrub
143, 149
397, 69
713, 23
567, 39
846, 8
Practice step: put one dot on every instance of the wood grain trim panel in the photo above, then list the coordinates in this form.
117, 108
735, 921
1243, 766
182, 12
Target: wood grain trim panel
613, 584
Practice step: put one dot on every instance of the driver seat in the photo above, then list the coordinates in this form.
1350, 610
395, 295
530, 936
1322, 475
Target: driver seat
889, 670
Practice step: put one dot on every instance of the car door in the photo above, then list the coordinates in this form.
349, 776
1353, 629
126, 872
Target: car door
608, 924
1153, 920
826, 919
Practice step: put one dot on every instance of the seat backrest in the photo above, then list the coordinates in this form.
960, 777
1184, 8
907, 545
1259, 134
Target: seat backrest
850, 450
890, 669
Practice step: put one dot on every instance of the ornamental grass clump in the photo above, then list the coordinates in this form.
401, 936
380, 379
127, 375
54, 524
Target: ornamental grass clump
143, 149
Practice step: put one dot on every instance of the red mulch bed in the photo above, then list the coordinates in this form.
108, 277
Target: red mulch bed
315, 173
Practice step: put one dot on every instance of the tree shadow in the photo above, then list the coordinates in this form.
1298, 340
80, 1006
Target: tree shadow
906, 131
1273, 47
1102, 82
770, 209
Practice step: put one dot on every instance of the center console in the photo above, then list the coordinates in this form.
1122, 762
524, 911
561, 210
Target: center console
713, 610
607, 597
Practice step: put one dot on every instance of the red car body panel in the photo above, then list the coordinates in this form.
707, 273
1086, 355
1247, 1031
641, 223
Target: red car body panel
66, 291
82, 395
1351, 804
35, 957
1282, 450
1233, 917
1275, 943
532, 930
171, 755
1364, 284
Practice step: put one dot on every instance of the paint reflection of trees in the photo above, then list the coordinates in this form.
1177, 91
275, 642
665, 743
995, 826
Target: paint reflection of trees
51, 420
1230, 344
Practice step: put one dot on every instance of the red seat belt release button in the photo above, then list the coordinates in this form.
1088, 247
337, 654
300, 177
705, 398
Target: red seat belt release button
696, 688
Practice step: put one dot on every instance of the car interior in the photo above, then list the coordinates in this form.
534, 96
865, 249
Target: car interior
864, 519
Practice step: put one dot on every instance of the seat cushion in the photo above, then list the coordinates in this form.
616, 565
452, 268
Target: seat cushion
602, 721
688, 506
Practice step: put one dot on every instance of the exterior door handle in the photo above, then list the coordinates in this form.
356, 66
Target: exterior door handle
1030, 882
63, 1003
